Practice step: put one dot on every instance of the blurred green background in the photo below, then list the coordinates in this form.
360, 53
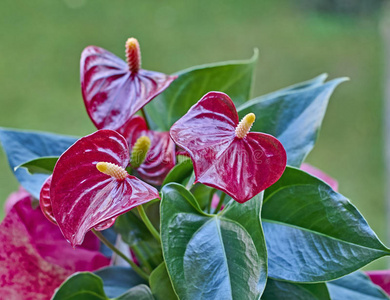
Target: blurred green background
41, 42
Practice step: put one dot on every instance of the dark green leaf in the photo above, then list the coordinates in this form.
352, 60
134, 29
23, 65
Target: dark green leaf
180, 173
117, 280
161, 285
233, 78
81, 286
139, 292
293, 115
310, 228
88, 286
23, 146
355, 286
281, 290
212, 256
42, 165
134, 233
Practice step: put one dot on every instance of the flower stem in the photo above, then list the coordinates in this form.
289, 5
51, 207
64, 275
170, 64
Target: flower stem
144, 116
148, 224
221, 199
190, 182
137, 269
212, 192
141, 258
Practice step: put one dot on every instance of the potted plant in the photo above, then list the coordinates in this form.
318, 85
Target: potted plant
189, 189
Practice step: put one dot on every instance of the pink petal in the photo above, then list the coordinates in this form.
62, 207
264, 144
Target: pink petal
321, 175
112, 94
14, 198
35, 258
381, 278
82, 197
241, 168
161, 155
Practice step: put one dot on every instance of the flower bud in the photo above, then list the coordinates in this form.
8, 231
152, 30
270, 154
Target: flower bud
139, 151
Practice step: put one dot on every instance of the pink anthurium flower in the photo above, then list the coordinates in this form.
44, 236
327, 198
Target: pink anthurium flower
114, 90
225, 154
90, 186
160, 157
34, 257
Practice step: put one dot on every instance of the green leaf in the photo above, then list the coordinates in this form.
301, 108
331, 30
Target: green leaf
233, 78
311, 228
281, 290
81, 286
23, 146
134, 233
212, 256
180, 173
161, 285
293, 115
355, 286
42, 165
88, 286
139, 292
117, 280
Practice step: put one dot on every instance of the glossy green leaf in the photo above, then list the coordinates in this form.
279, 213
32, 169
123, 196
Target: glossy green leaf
293, 115
139, 292
88, 286
212, 256
23, 146
281, 290
134, 233
117, 280
180, 173
233, 78
355, 286
311, 228
161, 285
42, 165
81, 286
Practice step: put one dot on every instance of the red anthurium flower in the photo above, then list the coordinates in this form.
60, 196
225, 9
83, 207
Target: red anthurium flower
224, 153
160, 157
90, 186
114, 90
34, 257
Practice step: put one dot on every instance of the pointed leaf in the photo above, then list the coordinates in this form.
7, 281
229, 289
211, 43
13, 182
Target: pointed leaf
292, 116
211, 256
42, 165
112, 93
117, 280
233, 78
311, 228
355, 286
139, 292
23, 146
281, 290
82, 197
161, 285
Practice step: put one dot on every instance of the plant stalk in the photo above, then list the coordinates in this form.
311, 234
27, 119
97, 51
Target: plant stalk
221, 199
148, 224
137, 269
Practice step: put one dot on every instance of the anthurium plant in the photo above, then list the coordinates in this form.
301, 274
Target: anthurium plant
188, 189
